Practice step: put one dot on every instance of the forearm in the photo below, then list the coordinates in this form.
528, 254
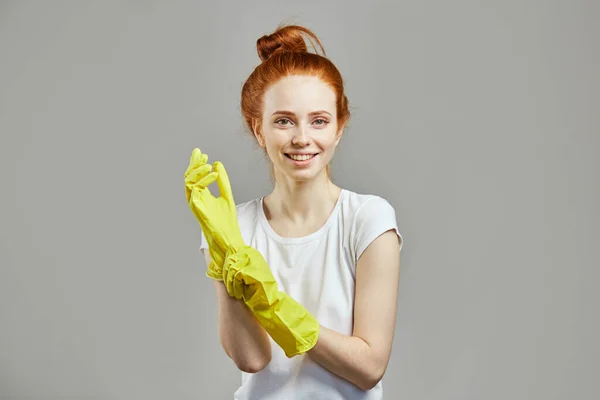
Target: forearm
242, 337
349, 357
293, 328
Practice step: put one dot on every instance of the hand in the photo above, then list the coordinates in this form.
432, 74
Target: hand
198, 173
217, 216
248, 277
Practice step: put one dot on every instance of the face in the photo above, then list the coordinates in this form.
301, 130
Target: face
299, 126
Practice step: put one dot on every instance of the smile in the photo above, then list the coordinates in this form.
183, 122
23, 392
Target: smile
300, 157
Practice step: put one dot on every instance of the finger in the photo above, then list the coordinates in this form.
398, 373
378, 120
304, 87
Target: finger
223, 182
205, 181
198, 173
199, 179
197, 159
194, 177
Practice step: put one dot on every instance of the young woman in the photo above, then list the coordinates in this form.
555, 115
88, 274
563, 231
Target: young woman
306, 276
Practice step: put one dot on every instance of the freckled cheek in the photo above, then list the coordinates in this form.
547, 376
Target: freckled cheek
326, 145
276, 144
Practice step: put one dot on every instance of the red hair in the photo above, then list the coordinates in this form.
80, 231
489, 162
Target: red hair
284, 53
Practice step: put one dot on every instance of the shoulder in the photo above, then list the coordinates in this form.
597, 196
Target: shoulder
368, 216
362, 206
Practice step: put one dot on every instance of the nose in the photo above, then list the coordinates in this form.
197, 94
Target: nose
300, 137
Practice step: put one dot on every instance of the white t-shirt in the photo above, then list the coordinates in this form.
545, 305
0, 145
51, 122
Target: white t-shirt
318, 271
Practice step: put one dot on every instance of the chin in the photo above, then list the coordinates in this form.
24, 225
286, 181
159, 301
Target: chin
301, 174
303, 178
305, 175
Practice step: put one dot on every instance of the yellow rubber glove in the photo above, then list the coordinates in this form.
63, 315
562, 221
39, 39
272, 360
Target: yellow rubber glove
243, 269
247, 276
217, 216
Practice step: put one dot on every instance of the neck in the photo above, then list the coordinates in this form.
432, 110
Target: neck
301, 202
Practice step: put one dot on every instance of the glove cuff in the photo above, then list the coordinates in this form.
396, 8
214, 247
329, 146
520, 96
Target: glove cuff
214, 271
290, 325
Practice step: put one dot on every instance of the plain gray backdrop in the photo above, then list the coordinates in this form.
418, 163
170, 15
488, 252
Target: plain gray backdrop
478, 121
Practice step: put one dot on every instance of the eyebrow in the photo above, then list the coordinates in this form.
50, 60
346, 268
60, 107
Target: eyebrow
284, 112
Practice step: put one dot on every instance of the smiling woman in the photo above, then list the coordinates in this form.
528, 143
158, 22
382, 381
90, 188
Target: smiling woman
299, 128
307, 288
285, 55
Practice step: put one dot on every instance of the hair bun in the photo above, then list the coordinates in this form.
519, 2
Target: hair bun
286, 39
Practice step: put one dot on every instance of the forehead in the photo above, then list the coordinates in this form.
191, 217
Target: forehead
299, 94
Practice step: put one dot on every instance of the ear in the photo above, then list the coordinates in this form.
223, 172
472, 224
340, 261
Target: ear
257, 135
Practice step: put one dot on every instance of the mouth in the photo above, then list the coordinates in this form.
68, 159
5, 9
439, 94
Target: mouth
300, 157
301, 160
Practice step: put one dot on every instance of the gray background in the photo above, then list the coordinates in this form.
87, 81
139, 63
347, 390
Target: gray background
478, 121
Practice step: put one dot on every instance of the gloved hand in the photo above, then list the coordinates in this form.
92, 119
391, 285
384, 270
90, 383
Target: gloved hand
247, 276
242, 268
217, 216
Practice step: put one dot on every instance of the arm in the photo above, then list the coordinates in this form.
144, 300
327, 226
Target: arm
363, 357
242, 337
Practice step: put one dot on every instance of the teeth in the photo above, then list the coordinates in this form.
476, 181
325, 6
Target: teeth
302, 157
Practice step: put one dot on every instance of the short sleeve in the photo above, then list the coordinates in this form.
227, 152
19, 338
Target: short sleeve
375, 217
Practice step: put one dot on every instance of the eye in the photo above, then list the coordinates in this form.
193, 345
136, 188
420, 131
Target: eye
320, 121
283, 122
